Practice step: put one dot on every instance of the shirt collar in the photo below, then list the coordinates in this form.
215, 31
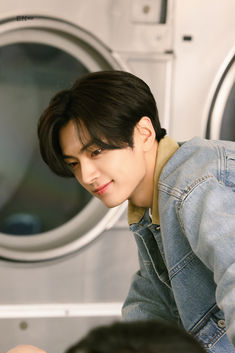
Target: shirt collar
166, 148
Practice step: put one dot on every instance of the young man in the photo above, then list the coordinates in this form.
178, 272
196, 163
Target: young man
105, 132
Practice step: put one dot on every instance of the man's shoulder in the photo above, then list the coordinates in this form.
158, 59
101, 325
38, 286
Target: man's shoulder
199, 142
194, 160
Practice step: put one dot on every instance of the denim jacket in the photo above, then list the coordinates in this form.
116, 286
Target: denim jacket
187, 263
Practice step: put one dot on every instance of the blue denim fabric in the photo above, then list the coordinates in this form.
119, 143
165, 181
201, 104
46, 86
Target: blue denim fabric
187, 264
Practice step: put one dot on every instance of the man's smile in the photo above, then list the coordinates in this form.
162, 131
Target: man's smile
101, 189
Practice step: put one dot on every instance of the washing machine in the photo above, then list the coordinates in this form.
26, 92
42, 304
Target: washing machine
203, 88
66, 260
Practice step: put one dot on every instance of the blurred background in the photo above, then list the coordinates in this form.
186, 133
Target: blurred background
65, 260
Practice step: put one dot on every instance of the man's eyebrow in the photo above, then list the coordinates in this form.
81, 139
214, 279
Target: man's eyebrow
84, 148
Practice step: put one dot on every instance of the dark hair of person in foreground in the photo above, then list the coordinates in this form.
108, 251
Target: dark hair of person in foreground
138, 337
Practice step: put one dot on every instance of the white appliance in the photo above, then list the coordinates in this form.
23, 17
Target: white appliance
66, 260
204, 70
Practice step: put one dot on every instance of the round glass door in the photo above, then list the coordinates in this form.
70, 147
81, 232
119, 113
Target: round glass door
42, 216
33, 200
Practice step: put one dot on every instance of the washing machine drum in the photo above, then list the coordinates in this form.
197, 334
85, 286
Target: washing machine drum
42, 216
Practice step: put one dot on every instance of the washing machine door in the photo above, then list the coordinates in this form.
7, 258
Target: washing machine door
42, 216
222, 112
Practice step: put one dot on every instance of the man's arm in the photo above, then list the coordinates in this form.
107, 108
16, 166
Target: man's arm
207, 216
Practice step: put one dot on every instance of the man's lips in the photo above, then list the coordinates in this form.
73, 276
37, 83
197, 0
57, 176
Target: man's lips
100, 190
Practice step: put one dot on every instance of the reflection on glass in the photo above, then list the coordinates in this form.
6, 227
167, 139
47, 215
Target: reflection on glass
32, 198
228, 121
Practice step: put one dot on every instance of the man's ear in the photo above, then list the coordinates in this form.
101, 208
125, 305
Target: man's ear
146, 133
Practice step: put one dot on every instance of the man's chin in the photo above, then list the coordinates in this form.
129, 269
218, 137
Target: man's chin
112, 203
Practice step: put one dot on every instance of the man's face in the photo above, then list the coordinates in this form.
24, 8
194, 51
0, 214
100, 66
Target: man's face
113, 176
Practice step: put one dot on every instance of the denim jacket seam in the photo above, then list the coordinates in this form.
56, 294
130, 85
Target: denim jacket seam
146, 247
220, 333
169, 190
223, 169
151, 260
196, 328
227, 170
195, 184
189, 257
221, 163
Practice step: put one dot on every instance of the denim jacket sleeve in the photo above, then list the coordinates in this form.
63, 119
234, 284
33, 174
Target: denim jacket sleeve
207, 216
148, 299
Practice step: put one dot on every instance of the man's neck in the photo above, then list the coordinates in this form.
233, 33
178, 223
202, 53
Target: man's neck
144, 196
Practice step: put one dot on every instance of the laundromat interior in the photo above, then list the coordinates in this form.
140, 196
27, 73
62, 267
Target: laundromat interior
66, 261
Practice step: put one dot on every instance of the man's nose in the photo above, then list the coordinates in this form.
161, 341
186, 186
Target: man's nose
89, 172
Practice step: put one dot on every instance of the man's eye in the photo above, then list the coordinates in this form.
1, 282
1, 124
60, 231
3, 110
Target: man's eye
73, 165
96, 152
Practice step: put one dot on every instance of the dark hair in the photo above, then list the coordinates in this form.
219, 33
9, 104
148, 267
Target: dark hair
106, 104
138, 337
